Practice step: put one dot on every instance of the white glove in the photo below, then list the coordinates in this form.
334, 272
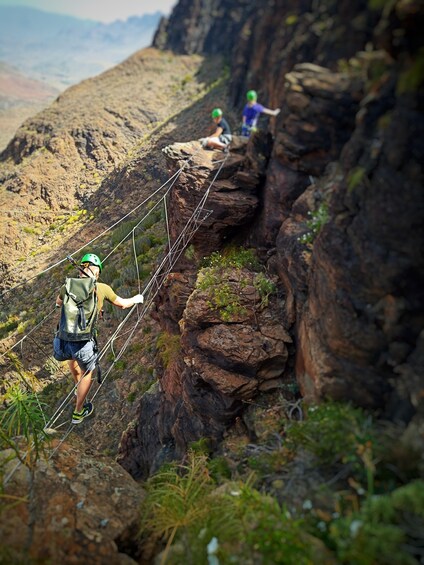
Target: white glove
138, 299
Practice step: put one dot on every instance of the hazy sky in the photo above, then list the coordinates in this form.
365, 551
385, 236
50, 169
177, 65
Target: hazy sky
100, 10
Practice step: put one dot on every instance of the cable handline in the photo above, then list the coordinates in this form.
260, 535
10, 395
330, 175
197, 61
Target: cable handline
176, 174
158, 278
132, 229
28, 334
174, 177
173, 255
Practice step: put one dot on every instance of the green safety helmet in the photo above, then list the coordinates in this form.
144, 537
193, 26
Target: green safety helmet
251, 95
216, 113
93, 259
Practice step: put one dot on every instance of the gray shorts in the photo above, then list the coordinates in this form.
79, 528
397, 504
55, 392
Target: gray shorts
226, 138
83, 352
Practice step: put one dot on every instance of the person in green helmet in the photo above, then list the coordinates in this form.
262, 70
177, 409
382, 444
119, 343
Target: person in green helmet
81, 302
251, 113
221, 138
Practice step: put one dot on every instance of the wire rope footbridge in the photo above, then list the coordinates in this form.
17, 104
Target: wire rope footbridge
124, 333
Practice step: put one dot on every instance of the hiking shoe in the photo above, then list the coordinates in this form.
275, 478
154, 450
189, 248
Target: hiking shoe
78, 417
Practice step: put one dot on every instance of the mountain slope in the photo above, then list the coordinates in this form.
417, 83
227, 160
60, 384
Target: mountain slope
20, 98
59, 159
64, 49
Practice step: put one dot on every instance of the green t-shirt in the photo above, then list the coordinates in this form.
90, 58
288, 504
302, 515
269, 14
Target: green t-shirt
104, 292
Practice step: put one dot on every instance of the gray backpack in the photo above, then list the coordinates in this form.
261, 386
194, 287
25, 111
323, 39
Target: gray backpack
79, 310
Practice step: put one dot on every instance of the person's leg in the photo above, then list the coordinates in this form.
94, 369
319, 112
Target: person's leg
82, 390
76, 371
85, 357
214, 143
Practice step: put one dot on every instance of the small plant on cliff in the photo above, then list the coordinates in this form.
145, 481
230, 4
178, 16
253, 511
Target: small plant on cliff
222, 279
168, 346
22, 425
317, 221
385, 529
265, 287
179, 506
337, 433
8, 326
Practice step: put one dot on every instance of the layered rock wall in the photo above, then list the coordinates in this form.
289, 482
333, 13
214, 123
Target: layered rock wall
347, 142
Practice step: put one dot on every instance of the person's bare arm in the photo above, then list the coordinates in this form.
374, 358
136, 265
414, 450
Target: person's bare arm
128, 302
59, 301
271, 112
217, 132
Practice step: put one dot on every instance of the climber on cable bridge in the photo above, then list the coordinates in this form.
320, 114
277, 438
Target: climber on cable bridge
81, 301
222, 137
251, 113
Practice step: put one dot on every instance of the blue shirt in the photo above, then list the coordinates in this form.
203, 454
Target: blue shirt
251, 113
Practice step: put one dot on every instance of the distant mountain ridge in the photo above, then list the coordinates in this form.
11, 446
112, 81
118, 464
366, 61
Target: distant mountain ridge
65, 50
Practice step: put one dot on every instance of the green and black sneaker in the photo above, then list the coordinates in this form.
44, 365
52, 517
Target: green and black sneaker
87, 410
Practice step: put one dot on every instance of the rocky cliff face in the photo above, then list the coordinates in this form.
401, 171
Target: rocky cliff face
340, 216
354, 295
232, 343
263, 41
329, 194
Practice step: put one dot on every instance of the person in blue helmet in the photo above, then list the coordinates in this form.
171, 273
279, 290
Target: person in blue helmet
221, 138
81, 350
251, 113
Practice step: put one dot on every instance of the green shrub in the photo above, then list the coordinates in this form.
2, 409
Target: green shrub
265, 287
8, 326
337, 433
169, 346
318, 220
236, 257
388, 529
23, 417
214, 279
184, 509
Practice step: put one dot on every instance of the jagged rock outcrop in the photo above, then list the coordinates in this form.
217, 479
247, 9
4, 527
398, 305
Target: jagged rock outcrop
317, 119
76, 507
356, 320
369, 257
232, 346
232, 193
360, 307
265, 40
220, 365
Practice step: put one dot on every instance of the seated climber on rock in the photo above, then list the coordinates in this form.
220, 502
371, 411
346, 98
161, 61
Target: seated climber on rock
221, 138
251, 113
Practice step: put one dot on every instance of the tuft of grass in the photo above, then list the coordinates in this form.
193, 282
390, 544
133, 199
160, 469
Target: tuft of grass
291, 20
23, 418
317, 221
169, 347
215, 279
200, 514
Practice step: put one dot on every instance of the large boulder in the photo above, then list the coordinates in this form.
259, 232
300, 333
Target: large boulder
74, 507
